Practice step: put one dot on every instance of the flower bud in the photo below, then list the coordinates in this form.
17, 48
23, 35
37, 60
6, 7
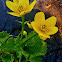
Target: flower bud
29, 25
24, 33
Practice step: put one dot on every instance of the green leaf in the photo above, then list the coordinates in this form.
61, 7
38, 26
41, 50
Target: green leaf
24, 22
10, 45
4, 36
0, 44
18, 21
34, 45
19, 54
35, 59
29, 36
7, 57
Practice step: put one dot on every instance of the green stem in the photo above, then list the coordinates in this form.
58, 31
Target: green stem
27, 59
18, 35
0, 58
20, 60
22, 27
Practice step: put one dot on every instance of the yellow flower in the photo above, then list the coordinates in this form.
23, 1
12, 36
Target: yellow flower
20, 7
43, 27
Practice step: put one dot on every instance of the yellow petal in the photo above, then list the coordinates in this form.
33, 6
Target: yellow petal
15, 1
43, 37
32, 5
40, 17
14, 14
51, 21
12, 6
24, 2
24, 12
37, 29
52, 30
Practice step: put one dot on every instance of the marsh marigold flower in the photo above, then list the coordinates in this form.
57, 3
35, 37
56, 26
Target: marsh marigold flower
43, 27
20, 7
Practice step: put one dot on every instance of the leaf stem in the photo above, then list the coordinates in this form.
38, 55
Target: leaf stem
18, 35
19, 59
0, 58
27, 59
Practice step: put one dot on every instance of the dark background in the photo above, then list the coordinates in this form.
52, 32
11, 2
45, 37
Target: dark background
7, 23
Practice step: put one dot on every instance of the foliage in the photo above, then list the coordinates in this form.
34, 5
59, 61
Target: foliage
13, 49
35, 59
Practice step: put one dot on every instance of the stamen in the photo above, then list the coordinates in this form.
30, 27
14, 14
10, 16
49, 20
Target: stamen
43, 27
20, 8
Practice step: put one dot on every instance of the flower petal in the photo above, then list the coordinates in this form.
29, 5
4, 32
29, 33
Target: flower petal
37, 29
12, 6
24, 2
15, 1
52, 30
14, 14
43, 37
40, 17
51, 21
32, 5
24, 12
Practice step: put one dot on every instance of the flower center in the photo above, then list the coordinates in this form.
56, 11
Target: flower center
20, 8
43, 26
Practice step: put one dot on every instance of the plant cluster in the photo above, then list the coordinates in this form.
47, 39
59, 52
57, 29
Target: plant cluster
31, 46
